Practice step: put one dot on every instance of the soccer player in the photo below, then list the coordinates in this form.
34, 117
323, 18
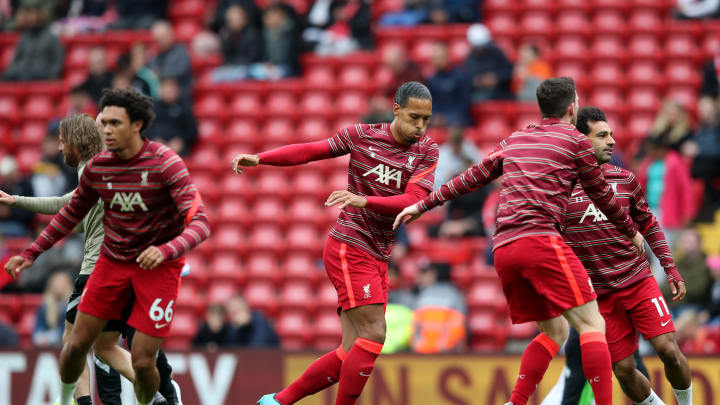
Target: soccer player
628, 295
153, 216
542, 278
80, 140
391, 165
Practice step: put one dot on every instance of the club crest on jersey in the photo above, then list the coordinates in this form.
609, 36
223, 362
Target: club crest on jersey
594, 212
143, 178
128, 201
411, 159
385, 174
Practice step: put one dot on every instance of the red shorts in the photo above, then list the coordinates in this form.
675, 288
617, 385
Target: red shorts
541, 278
359, 278
638, 308
112, 283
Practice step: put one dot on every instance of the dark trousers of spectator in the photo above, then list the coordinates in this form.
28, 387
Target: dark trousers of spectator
575, 382
110, 387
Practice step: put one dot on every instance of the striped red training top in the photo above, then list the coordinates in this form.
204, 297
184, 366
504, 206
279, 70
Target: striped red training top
608, 256
379, 166
149, 199
540, 166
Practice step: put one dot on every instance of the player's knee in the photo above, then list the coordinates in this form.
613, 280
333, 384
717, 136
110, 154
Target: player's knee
558, 333
624, 370
77, 347
668, 353
374, 331
143, 364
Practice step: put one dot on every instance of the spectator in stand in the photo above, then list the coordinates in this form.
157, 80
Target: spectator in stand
704, 148
433, 11
454, 154
403, 69
50, 318
175, 124
348, 28
698, 8
530, 70
99, 77
249, 328
218, 19
712, 314
665, 177
172, 59
39, 55
51, 176
692, 264
14, 222
439, 316
282, 57
215, 329
79, 101
673, 124
710, 86
450, 90
489, 69
131, 71
138, 14
241, 45
81, 16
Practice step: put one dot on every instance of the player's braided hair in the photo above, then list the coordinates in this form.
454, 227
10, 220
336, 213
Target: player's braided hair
589, 114
138, 106
81, 131
554, 95
411, 90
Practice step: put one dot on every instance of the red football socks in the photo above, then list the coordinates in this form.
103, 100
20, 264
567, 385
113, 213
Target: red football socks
535, 361
597, 366
321, 374
356, 369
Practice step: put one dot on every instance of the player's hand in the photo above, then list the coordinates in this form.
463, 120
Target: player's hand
16, 265
407, 215
639, 242
346, 198
678, 290
6, 199
246, 160
150, 258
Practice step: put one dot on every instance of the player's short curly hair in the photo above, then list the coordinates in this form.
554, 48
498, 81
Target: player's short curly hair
81, 131
589, 114
554, 95
410, 90
138, 106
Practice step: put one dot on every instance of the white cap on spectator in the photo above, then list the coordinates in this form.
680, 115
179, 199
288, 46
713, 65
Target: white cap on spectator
478, 35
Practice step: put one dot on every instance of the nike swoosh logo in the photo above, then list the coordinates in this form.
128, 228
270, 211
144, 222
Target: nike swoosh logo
160, 326
575, 193
371, 148
364, 375
665, 323
106, 178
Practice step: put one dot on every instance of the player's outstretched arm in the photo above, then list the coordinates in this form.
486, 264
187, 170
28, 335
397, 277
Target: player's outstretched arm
649, 226
289, 155
390, 205
407, 215
40, 205
16, 265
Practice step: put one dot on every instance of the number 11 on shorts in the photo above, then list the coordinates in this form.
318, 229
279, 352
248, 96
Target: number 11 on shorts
657, 306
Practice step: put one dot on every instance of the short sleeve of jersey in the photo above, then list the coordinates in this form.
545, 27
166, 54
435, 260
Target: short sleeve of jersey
342, 142
424, 174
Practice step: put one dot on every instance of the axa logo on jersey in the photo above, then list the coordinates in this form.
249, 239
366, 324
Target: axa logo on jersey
128, 201
593, 212
385, 175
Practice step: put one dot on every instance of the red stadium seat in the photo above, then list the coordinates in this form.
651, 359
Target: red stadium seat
352, 103
269, 211
272, 183
639, 125
32, 134
210, 106
279, 130
486, 296
316, 104
304, 239
537, 23
305, 211
184, 328
327, 331
220, 292
229, 239
607, 99
645, 47
503, 25
643, 99
313, 129
570, 48
27, 158
294, 330
77, 57
608, 75
327, 296
608, 47
492, 130
210, 130
39, 108
355, 77
685, 95
459, 50
297, 296
9, 111
302, 268
573, 23
616, 5
280, 104
261, 296
612, 21
539, 5
267, 238
233, 185
6, 56
262, 268
307, 183
186, 30
524, 331
246, 105
499, 6
187, 9
243, 131
682, 46
422, 50
645, 73
646, 21
198, 269
233, 211
206, 184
